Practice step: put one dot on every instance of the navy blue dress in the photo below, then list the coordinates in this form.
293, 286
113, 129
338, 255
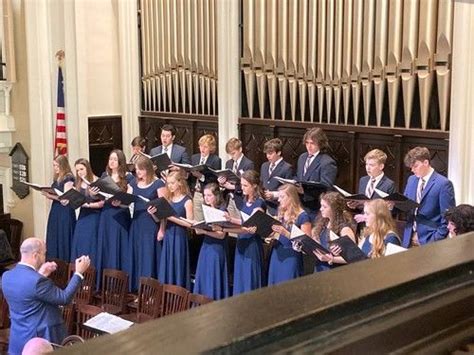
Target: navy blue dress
211, 271
286, 263
248, 256
389, 238
112, 237
145, 250
61, 223
84, 241
174, 263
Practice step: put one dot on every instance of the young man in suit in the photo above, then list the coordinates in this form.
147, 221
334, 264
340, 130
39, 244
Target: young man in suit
434, 193
375, 179
197, 180
33, 299
238, 164
274, 167
176, 152
315, 165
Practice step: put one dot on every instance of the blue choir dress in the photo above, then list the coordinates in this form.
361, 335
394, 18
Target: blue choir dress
174, 263
324, 241
248, 264
84, 241
286, 263
389, 238
61, 223
211, 270
112, 237
145, 250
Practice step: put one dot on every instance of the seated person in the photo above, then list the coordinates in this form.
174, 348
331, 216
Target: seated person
275, 166
460, 220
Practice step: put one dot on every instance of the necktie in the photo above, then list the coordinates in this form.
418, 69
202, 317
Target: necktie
202, 161
234, 167
198, 183
419, 191
307, 163
370, 188
271, 168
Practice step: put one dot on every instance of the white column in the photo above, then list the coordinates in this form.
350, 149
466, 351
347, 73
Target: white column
228, 69
461, 147
38, 44
129, 70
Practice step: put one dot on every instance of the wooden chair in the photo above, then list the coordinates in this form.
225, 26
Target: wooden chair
150, 293
114, 290
68, 316
4, 324
175, 299
60, 276
71, 340
195, 300
85, 293
84, 313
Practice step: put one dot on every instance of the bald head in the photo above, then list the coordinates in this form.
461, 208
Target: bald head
37, 346
31, 245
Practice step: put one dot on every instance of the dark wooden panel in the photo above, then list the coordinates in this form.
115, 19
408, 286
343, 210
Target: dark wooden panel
348, 144
105, 134
188, 129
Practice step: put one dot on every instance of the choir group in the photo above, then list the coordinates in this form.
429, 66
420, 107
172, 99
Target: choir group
133, 239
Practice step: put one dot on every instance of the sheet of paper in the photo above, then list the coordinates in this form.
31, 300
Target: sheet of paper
393, 249
213, 215
108, 323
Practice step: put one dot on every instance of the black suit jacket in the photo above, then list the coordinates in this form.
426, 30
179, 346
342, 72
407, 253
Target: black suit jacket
213, 161
385, 185
178, 153
283, 170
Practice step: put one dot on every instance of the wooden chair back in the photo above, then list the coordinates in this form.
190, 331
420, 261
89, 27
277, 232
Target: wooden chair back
150, 295
4, 312
71, 340
175, 299
68, 316
195, 300
400, 227
85, 293
84, 313
60, 276
114, 290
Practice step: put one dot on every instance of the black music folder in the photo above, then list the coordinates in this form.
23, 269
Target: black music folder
263, 222
227, 173
399, 201
349, 196
107, 185
75, 198
308, 244
124, 198
162, 161
163, 208
37, 187
201, 168
350, 251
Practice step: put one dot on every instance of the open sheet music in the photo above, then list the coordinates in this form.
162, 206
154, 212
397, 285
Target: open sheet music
37, 187
227, 173
349, 196
391, 248
308, 244
75, 198
350, 250
108, 323
162, 161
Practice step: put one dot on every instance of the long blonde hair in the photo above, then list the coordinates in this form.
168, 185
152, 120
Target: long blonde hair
183, 188
383, 224
291, 213
64, 168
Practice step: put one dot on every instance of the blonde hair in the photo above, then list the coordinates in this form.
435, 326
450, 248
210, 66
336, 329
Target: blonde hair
183, 188
233, 144
64, 168
383, 224
291, 213
210, 141
376, 154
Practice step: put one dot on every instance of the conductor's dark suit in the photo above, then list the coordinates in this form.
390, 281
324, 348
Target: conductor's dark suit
33, 301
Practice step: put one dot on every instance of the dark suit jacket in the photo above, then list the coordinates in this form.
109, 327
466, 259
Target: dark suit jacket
33, 301
178, 153
245, 164
283, 170
385, 185
437, 197
323, 169
213, 161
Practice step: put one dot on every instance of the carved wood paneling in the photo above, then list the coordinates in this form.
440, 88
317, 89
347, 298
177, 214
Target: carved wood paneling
105, 134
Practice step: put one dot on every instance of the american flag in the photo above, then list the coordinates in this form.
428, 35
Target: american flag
60, 140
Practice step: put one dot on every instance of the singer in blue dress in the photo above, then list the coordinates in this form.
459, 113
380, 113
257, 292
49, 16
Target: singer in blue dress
84, 241
114, 223
286, 263
336, 218
174, 263
379, 230
61, 219
211, 271
248, 264
145, 250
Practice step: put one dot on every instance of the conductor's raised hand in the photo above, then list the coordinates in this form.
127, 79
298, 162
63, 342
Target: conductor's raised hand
47, 268
82, 264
